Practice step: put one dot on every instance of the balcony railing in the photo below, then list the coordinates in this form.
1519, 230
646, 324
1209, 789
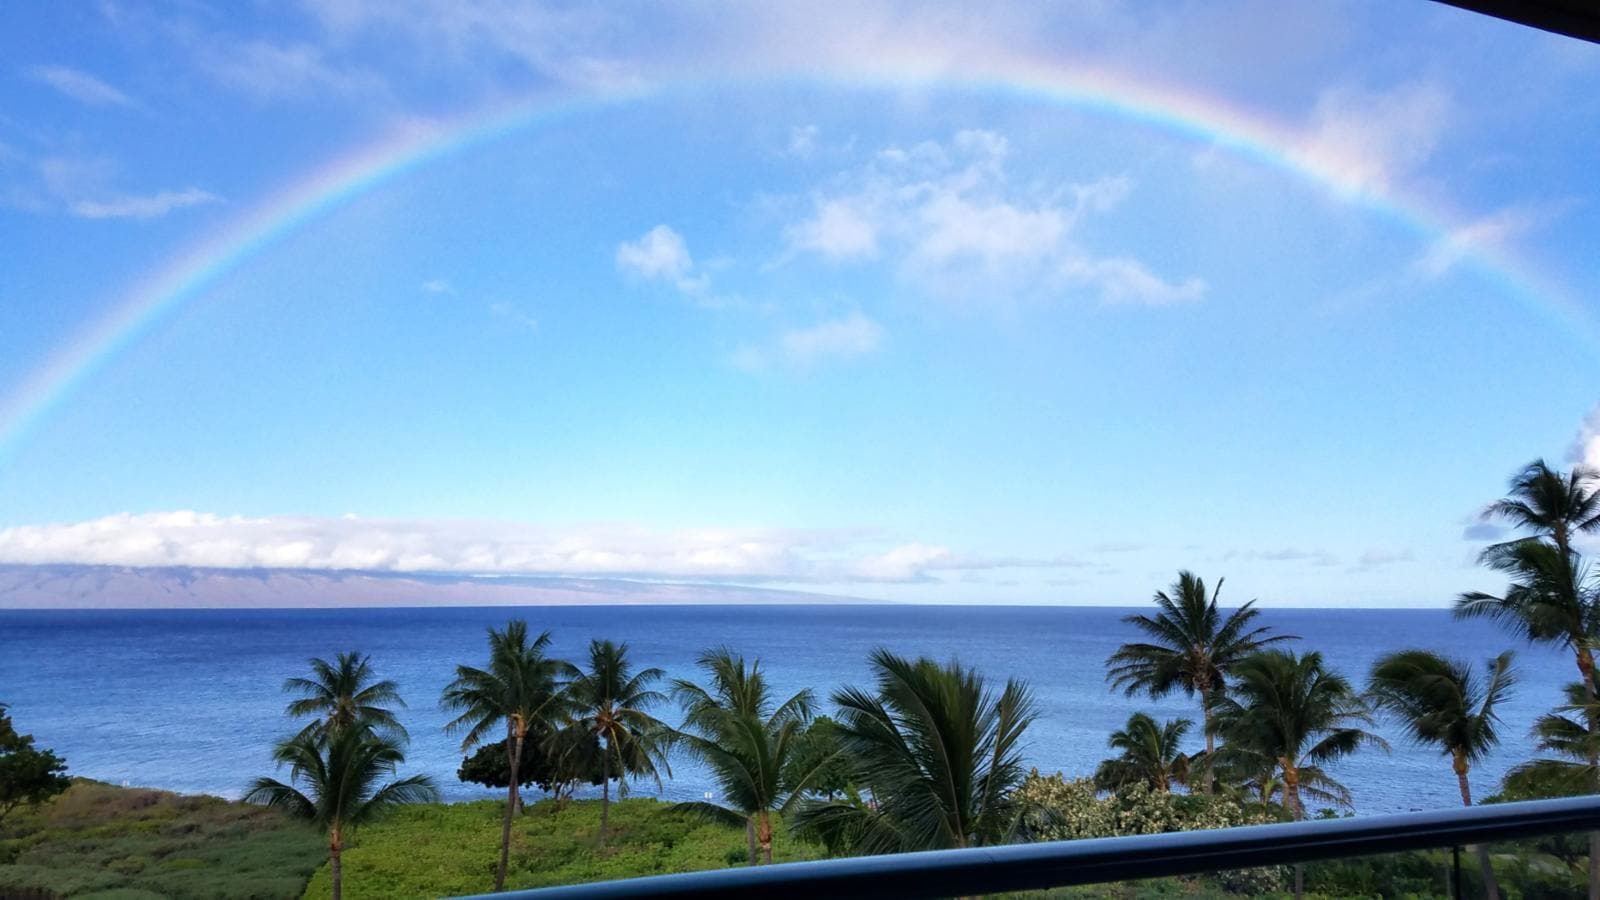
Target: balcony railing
1018, 867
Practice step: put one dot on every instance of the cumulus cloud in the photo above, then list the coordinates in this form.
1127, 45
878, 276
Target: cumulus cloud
1483, 531
510, 312
842, 338
206, 540
437, 286
1585, 448
80, 86
948, 217
661, 254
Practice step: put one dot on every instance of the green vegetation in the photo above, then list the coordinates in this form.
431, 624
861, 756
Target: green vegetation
96, 840
1150, 753
28, 775
444, 850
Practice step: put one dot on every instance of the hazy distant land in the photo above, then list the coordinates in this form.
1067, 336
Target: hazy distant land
121, 587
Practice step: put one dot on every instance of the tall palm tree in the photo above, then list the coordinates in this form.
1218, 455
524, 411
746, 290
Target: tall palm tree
940, 752
1565, 732
1551, 503
748, 742
1191, 648
1442, 703
345, 693
338, 774
612, 702
1551, 597
1150, 754
1296, 713
519, 691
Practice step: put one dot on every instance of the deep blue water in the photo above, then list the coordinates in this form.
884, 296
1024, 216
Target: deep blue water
190, 700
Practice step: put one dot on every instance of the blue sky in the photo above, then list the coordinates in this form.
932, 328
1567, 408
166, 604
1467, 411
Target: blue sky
834, 297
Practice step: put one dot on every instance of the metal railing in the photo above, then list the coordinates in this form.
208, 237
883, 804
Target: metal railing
1019, 867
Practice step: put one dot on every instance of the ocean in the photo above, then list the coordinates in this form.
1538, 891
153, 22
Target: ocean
191, 701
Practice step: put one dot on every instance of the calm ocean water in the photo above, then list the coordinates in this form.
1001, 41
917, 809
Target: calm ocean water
190, 700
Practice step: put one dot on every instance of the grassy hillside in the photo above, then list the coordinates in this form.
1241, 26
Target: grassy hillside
104, 842
444, 850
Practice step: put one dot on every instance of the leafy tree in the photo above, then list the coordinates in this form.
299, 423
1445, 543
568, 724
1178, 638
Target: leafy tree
335, 784
612, 702
548, 762
1551, 598
344, 693
938, 750
519, 691
748, 741
1150, 755
1293, 714
1442, 703
1191, 648
27, 775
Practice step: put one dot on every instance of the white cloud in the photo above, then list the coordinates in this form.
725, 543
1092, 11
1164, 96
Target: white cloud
1124, 280
205, 540
1585, 448
80, 86
949, 218
437, 286
273, 71
1370, 139
842, 338
147, 206
661, 254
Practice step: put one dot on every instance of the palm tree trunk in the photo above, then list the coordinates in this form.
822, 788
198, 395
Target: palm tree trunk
764, 832
1491, 888
605, 791
514, 757
750, 839
1205, 714
1291, 799
335, 850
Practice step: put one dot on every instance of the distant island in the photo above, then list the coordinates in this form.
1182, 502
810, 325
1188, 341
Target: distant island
176, 587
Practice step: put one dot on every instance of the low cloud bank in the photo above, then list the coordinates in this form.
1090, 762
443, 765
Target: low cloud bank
207, 540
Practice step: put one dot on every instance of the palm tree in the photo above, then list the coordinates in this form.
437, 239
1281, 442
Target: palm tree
749, 744
339, 773
1443, 703
940, 752
1551, 503
344, 693
1293, 713
1566, 732
519, 690
1192, 646
1551, 598
611, 701
1150, 754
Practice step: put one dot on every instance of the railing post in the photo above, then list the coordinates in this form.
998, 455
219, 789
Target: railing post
1455, 869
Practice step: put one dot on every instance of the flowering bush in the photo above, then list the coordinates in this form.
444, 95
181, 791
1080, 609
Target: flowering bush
1056, 808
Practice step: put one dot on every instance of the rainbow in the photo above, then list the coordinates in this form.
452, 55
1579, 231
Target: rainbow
1195, 117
